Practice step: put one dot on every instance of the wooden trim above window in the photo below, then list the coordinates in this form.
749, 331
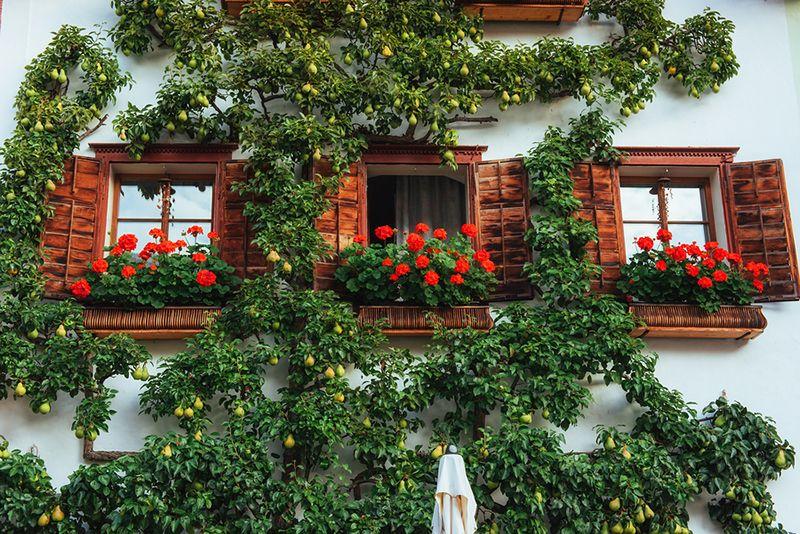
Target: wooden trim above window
702, 156
419, 154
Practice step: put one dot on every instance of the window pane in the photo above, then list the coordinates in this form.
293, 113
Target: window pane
686, 204
687, 233
638, 204
140, 200
191, 200
139, 229
634, 232
176, 230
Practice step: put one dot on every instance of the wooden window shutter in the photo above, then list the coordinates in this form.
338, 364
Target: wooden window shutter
502, 213
236, 232
346, 217
73, 235
761, 225
597, 187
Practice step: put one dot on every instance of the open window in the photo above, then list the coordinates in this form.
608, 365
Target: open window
173, 187
699, 194
403, 195
171, 197
401, 185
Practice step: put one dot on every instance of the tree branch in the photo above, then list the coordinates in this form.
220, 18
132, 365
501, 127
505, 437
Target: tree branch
479, 120
90, 131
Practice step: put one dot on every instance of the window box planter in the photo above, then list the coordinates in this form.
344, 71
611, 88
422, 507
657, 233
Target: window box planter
174, 322
527, 10
413, 321
689, 321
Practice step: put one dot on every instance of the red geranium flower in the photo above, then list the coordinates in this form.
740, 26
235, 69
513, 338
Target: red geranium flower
692, 270
488, 266
677, 253
384, 232
694, 250
759, 285
734, 258
756, 269
387, 262
480, 256
469, 230
663, 235
705, 282
402, 269
415, 242
440, 234
100, 266
199, 257
421, 228
645, 243
147, 251
719, 254
117, 251
180, 243
157, 233
128, 271
127, 242
394, 277
719, 276
166, 247
457, 279
661, 265
360, 239
709, 263
422, 262
81, 289
711, 245
206, 278
194, 230
462, 266
213, 235
153, 267
431, 278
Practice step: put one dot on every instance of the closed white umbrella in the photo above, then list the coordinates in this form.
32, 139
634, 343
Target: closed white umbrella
455, 507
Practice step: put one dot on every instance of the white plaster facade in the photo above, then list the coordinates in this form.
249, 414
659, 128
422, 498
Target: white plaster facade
759, 111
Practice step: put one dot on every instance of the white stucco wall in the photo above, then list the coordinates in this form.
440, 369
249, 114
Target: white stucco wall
757, 111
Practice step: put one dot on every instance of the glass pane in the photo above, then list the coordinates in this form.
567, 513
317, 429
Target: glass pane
139, 229
140, 200
176, 230
638, 204
634, 232
191, 200
688, 233
686, 204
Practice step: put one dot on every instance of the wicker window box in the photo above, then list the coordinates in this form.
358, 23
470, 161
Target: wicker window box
175, 322
527, 10
503, 10
418, 320
689, 321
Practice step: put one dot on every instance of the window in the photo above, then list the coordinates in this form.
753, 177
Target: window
681, 205
401, 198
171, 203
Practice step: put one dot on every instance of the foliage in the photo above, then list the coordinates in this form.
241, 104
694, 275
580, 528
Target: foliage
312, 84
439, 271
163, 273
708, 276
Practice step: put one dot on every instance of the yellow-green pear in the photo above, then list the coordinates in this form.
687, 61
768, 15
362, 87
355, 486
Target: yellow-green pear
329, 373
58, 514
166, 452
273, 256
780, 459
610, 443
20, 390
340, 370
61, 331
198, 403
614, 504
43, 520
310, 361
367, 423
178, 412
238, 412
289, 442
437, 452
44, 408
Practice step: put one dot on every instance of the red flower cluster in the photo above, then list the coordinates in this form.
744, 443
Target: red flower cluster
127, 242
206, 278
645, 243
194, 231
199, 257
440, 234
360, 239
431, 278
422, 228
100, 266
664, 235
469, 230
422, 262
81, 289
384, 232
127, 271
415, 242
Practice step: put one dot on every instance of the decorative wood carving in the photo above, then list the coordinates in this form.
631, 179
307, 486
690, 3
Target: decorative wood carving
176, 322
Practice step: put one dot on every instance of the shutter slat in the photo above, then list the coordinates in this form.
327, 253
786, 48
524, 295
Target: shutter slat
502, 214
596, 187
71, 237
236, 232
345, 218
761, 227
